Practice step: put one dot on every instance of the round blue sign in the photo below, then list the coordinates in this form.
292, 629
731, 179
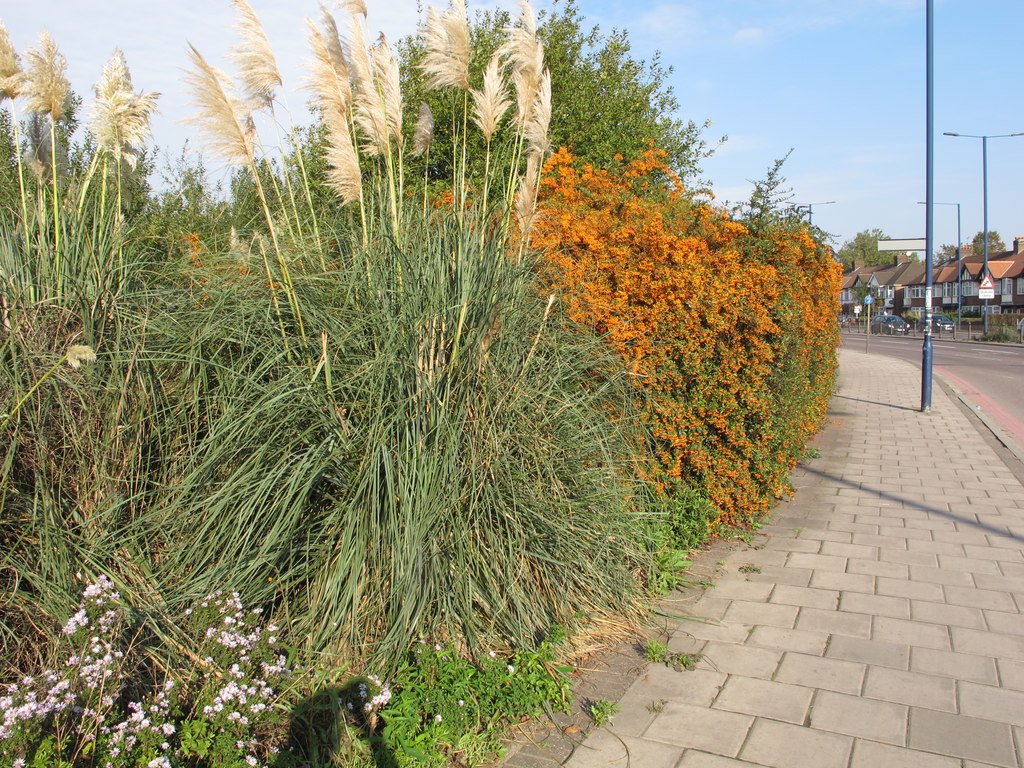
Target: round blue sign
869, 299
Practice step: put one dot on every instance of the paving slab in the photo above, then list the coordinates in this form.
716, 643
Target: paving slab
880, 625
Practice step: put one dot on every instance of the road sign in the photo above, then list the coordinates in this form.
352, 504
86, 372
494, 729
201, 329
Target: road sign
987, 289
905, 244
869, 299
856, 309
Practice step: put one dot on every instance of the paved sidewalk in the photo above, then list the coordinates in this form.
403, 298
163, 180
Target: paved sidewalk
881, 625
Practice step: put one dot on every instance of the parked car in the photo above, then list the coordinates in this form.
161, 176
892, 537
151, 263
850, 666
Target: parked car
890, 325
940, 323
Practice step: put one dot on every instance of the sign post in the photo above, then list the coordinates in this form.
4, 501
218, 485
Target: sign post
987, 289
868, 300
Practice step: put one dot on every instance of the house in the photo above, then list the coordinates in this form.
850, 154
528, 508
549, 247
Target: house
1007, 270
886, 283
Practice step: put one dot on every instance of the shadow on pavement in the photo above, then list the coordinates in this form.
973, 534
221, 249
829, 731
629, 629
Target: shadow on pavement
918, 505
872, 402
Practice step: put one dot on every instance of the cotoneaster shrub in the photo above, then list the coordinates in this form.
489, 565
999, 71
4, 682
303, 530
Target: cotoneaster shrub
727, 332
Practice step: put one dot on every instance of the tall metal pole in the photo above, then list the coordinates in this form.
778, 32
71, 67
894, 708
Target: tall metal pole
959, 269
926, 352
959, 241
984, 185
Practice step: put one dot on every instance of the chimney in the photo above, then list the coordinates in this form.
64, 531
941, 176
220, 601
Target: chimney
1018, 244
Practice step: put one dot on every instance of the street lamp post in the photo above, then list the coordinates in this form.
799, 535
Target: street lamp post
984, 184
810, 209
959, 242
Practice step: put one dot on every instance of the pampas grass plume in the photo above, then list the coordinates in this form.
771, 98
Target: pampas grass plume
355, 7
121, 118
491, 102
226, 121
389, 81
254, 56
540, 118
80, 353
526, 200
343, 175
329, 83
423, 135
12, 79
47, 87
446, 37
369, 111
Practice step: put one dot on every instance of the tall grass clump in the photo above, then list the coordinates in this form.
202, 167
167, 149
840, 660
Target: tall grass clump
368, 418
428, 451
71, 406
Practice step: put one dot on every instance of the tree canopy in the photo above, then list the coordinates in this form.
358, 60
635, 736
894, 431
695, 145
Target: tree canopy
862, 250
995, 243
605, 101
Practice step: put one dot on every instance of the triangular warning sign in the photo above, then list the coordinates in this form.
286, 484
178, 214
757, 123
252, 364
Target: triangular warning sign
986, 282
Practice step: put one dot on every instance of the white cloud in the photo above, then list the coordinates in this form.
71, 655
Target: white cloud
749, 36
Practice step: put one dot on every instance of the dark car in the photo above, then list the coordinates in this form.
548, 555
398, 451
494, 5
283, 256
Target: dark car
940, 323
890, 325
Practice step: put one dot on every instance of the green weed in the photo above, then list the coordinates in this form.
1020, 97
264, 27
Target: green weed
602, 712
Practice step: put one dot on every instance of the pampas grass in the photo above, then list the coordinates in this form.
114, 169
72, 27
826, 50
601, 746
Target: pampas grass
330, 81
446, 37
121, 117
491, 102
224, 118
343, 175
423, 133
255, 58
385, 65
12, 78
536, 128
47, 85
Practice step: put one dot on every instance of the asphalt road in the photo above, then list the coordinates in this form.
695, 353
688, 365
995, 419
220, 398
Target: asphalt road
989, 377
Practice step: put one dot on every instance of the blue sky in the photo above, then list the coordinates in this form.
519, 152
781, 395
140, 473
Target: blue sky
841, 82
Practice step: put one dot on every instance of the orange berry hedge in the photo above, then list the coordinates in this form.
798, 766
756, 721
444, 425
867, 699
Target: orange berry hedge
730, 334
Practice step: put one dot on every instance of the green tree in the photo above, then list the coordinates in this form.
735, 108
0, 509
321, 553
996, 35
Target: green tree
863, 251
605, 102
945, 252
995, 243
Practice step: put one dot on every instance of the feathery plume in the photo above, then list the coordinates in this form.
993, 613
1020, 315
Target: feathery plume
446, 37
389, 82
330, 82
536, 129
336, 52
254, 56
369, 112
121, 117
223, 117
423, 135
80, 353
12, 79
344, 176
526, 199
491, 102
525, 53
47, 87
355, 7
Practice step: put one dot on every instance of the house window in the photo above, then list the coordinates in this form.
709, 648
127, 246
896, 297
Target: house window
1020, 285
1007, 287
917, 291
970, 288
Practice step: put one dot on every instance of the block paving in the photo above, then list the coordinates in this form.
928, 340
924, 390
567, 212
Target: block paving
877, 621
